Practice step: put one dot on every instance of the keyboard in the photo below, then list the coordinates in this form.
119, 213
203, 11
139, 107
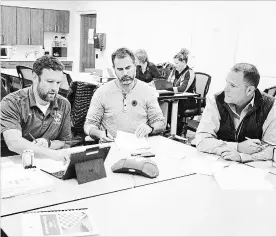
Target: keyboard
70, 219
59, 174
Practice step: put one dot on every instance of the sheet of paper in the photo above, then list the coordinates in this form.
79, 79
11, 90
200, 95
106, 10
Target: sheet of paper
17, 181
242, 177
128, 141
203, 165
50, 165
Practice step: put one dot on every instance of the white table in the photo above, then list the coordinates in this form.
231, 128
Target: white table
192, 206
69, 190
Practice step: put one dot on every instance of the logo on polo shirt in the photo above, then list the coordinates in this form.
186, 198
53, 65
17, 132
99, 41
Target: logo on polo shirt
57, 117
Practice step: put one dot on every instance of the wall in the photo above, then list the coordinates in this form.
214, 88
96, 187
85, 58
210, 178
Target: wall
218, 34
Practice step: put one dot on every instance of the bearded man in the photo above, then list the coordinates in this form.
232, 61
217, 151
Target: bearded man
37, 117
125, 104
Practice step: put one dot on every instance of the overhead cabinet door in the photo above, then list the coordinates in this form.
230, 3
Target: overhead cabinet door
50, 21
37, 34
8, 25
23, 29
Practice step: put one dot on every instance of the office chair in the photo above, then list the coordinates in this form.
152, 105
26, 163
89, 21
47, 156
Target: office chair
271, 91
203, 81
65, 85
25, 75
79, 96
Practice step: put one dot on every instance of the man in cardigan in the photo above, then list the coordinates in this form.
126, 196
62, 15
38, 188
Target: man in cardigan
239, 123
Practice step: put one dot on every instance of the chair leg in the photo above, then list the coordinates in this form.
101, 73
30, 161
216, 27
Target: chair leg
185, 128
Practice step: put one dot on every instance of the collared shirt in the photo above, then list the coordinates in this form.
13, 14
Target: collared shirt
20, 111
112, 110
206, 138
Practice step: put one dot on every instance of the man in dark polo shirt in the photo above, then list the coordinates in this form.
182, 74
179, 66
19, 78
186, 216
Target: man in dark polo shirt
38, 112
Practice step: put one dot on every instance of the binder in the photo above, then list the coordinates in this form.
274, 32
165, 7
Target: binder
68, 222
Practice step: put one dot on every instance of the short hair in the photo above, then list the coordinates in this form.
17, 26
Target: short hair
142, 56
48, 62
250, 73
122, 53
182, 55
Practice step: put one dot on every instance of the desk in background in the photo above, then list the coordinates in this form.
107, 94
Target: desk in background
174, 99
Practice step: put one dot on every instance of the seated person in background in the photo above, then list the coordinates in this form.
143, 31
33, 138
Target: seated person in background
145, 70
38, 111
238, 121
125, 104
182, 78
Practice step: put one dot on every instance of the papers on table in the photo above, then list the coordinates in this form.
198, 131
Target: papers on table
18, 181
129, 141
70, 222
50, 165
242, 177
202, 165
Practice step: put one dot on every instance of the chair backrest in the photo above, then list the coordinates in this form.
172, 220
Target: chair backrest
203, 81
79, 95
25, 74
3, 90
271, 91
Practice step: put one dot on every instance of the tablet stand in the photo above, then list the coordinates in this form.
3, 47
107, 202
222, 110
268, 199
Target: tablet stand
90, 170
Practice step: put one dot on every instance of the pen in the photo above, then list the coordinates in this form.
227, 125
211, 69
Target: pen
32, 137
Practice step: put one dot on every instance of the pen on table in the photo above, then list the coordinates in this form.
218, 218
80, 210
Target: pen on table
32, 137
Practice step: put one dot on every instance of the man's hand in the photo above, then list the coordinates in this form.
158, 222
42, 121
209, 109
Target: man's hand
143, 130
60, 155
41, 142
250, 146
228, 153
106, 137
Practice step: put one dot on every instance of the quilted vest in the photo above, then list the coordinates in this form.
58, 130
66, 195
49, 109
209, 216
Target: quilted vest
251, 125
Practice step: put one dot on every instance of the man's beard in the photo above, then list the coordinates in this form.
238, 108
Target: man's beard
126, 80
46, 97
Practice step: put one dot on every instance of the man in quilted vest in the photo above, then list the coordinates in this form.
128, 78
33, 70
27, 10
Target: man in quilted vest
239, 123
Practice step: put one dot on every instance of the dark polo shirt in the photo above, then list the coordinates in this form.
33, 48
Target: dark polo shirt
19, 111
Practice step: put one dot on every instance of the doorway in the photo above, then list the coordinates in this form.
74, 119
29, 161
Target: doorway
87, 51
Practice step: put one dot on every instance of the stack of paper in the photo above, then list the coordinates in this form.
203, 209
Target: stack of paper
129, 141
242, 177
17, 181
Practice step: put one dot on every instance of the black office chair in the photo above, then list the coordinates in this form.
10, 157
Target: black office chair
203, 81
65, 85
79, 96
271, 91
25, 75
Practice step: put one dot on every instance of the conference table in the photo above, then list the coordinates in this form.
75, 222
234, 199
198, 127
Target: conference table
177, 202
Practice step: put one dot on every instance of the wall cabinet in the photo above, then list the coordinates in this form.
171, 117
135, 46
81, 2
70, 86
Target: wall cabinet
8, 25
29, 25
56, 21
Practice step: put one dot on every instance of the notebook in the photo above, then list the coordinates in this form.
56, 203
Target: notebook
68, 172
70, 222
162, 84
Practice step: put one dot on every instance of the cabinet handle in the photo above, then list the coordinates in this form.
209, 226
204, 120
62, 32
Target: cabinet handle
29, 40
55, 28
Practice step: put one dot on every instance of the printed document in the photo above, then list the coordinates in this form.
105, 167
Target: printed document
242, 177
129, 141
